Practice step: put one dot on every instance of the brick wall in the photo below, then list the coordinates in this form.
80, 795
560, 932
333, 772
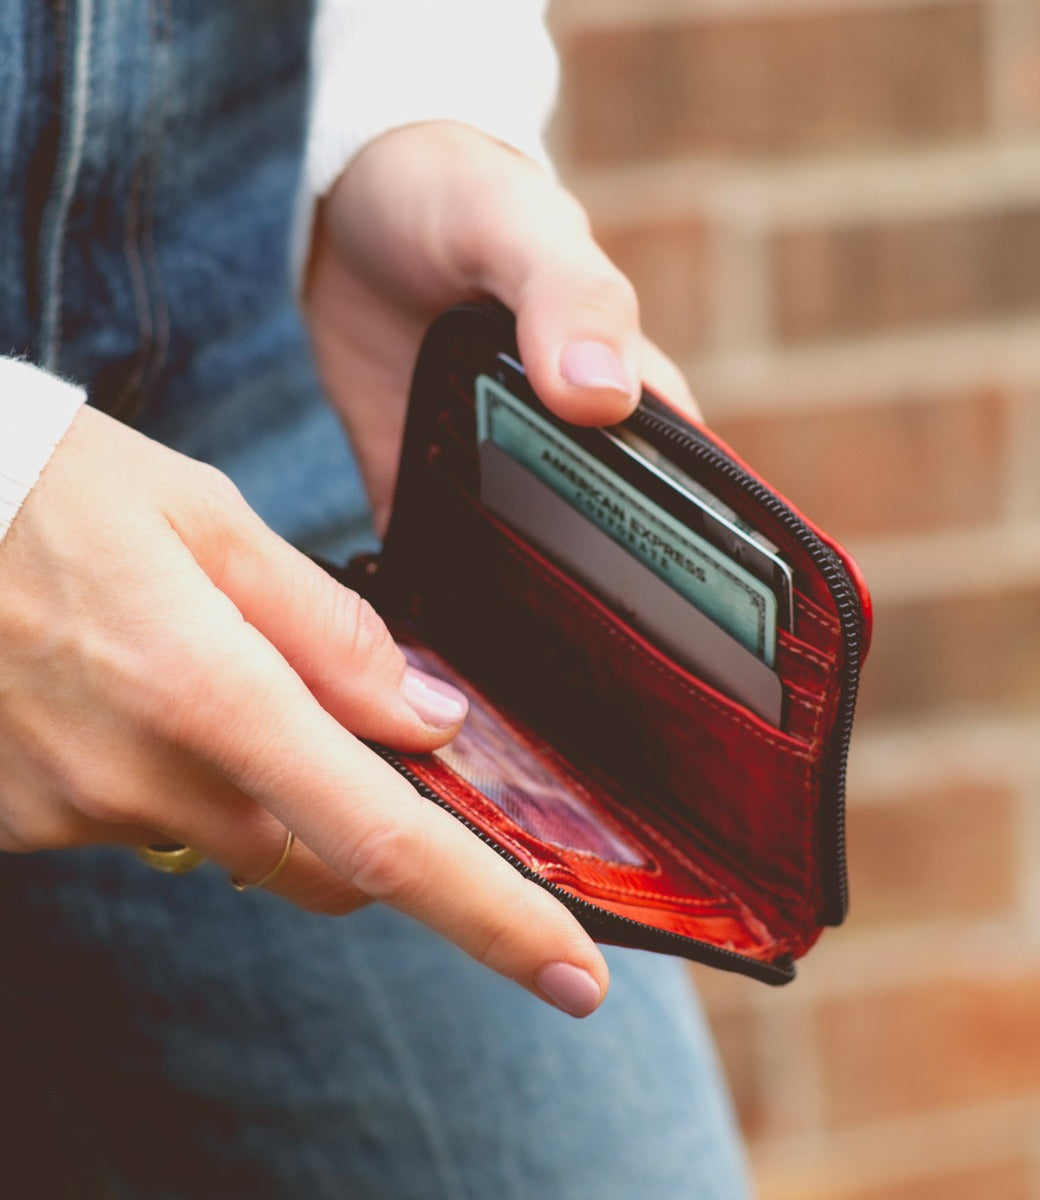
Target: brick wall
831, 209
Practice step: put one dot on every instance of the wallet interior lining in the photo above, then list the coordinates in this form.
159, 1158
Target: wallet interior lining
658, 885
525, 780
500, 612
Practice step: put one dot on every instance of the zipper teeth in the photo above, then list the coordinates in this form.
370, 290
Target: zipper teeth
839, 584
575, 903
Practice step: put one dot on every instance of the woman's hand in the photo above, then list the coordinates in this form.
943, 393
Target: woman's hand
429, 215
171, 670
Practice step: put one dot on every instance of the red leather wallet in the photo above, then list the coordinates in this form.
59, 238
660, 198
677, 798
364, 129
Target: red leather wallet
664, 814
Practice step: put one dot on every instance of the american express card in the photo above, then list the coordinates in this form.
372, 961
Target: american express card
726, 592
547, 521
702, 511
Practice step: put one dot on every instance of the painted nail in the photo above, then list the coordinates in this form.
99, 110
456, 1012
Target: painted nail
437, 703
569, 987
593, 365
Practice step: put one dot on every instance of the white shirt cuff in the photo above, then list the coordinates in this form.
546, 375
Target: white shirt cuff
381, 64
35, 411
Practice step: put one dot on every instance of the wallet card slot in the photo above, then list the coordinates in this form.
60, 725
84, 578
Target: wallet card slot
805, 712
815, 626
727, 779
802, 665
496, 532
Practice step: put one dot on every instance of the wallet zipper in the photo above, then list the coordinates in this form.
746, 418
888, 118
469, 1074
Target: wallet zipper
778, 972
843, 592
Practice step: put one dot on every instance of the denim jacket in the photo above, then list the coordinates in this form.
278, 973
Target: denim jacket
151, 153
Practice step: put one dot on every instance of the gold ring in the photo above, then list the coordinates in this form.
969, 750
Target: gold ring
170, 857
240, 885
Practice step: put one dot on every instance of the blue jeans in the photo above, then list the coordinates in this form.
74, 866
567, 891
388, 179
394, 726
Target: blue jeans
168, 1037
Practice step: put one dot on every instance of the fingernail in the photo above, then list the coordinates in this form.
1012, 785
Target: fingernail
593, 365
436, 702
569, 987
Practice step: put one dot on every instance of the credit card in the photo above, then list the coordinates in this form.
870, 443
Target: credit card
550, 523
695, 506
703, 511
738, 602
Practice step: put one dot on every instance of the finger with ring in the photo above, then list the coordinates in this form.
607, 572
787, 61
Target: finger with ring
171, 858
241, 885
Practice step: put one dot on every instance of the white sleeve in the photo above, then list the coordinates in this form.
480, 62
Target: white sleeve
380, 64
35, 411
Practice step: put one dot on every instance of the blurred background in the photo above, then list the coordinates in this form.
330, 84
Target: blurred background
831, 209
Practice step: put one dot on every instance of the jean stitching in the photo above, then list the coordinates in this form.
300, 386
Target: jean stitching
162, 35
139, 289
67, 177
140, 249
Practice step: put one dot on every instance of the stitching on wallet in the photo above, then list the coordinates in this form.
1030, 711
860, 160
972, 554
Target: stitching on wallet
626, 640
800, 694
701, 874
807, 701
806, 705
622, 892
816, 710
813, 614
616, 891
799, 650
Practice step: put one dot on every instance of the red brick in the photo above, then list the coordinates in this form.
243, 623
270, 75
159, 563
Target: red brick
913, 464
861, 78
1005, 1181
978, 652
880, 276
1023, 477
951, 1043
948, 852
1016, 70
668, 264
